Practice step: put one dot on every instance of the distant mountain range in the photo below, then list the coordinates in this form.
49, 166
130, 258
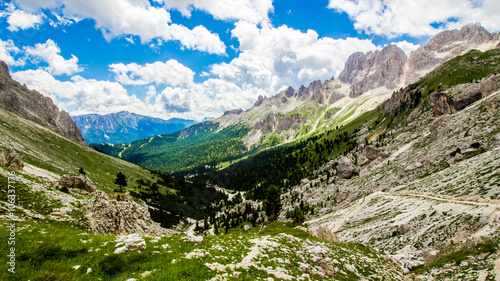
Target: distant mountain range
125, 127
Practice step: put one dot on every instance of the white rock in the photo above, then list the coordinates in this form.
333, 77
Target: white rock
194, 238
89, 270
76, 267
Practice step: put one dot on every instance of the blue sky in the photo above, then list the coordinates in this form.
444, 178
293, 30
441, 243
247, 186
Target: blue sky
197, 58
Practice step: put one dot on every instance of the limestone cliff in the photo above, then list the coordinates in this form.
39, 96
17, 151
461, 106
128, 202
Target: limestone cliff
33, 106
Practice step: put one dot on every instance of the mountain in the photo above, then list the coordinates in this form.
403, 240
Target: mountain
125, 127
403, 185
366, 81
33, 106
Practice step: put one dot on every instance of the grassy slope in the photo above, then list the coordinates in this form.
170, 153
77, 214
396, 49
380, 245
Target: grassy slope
466, 68
50, 250
42, 148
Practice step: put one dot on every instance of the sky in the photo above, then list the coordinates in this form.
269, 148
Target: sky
193, 59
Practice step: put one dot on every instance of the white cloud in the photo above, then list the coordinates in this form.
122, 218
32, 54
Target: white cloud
49, 52
393, 18
170, 73
255, 11
7, 50
150, 94
19, 19
117, 18
406, 46
35, 5
271, 58
210, 98
81, 96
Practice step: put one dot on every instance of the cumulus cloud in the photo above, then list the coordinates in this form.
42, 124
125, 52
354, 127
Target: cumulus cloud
393, 18
50, 53
8, 50
171, 73
406, 46
210, 98
81, 96
271, 57
19, 19
117, 18
255, 11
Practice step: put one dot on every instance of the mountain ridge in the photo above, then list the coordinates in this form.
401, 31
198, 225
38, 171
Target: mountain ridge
124, 126
32, 105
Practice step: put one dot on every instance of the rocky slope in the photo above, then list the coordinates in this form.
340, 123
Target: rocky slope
33, 106
125, 127
426, 186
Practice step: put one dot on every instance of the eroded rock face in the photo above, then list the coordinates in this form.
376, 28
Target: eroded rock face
373, 69
325, 233
291, 122
443, 104
33, 106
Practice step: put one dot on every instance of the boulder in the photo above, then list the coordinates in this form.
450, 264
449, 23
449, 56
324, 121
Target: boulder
78, 182
371, 152
131, 242
490, 85
325, 233
246, 228
441, 104
11, 159
105, 215
345, 168
194, 238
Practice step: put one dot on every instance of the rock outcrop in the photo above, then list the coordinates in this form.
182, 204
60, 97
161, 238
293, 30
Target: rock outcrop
234, 111
118, 215
33, 106
11, 159
259, 101
78, 182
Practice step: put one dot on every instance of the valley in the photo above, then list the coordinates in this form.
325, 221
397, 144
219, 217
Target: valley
389, 172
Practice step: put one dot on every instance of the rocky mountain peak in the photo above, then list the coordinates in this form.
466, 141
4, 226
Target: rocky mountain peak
446, 45
33, 106
374, 69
